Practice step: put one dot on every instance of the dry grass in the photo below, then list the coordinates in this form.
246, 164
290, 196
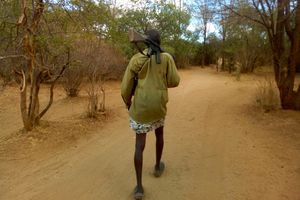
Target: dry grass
49, 137
267, 96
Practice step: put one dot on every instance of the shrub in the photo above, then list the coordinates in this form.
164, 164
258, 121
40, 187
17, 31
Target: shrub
7, 67
72, 80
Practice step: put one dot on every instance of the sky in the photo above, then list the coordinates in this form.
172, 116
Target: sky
128, 3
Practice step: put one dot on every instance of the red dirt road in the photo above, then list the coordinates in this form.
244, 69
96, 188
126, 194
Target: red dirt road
218, 146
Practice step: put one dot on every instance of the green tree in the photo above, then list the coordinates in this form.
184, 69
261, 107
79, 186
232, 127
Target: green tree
170, 21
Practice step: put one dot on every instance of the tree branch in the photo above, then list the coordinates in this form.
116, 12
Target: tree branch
297, 23
261, 14
244, 16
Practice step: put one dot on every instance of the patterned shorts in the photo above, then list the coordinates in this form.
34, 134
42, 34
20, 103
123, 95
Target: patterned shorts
145, 128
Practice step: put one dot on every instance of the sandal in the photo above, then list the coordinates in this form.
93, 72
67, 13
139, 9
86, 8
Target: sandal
138, 195
158, 172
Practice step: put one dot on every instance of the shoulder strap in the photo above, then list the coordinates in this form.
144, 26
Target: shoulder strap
140, 50
136, 78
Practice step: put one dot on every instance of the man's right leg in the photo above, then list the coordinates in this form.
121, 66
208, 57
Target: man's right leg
138, 159
159, 133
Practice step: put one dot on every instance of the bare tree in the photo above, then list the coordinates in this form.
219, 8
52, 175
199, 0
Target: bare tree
33, 70
99, 62
96, 93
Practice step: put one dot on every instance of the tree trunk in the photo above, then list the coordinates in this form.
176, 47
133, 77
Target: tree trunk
23, 102
204, 44
285, 76
30, 114
289, 99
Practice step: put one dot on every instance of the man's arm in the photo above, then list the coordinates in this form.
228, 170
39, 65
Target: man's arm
128, 84
173, 78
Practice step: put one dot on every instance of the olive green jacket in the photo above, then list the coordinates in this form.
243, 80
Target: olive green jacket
151, 91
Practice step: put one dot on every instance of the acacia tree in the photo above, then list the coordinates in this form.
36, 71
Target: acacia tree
204, 12
281, 20
280, 17
223, 16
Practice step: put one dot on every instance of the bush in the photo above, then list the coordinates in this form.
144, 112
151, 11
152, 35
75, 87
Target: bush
267, 96
72, 80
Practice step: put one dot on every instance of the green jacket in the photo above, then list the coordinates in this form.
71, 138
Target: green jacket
151, 93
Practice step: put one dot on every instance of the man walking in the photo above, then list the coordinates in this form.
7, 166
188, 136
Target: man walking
148, 76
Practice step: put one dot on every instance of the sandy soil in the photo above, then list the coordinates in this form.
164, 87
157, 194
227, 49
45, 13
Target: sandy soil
218, 146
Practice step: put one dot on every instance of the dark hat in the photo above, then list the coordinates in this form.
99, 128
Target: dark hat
153, 35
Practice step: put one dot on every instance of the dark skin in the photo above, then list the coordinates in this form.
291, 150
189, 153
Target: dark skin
140, 143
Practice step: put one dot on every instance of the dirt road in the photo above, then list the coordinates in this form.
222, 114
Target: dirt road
218, 146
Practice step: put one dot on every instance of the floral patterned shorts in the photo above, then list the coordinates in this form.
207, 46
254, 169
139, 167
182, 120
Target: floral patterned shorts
145, 128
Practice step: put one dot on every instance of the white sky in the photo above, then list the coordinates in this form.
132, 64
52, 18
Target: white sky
210, 26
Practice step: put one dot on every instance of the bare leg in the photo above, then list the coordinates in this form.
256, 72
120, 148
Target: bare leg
159, 133
138, 159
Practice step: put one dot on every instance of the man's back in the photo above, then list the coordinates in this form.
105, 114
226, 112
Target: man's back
151, 96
